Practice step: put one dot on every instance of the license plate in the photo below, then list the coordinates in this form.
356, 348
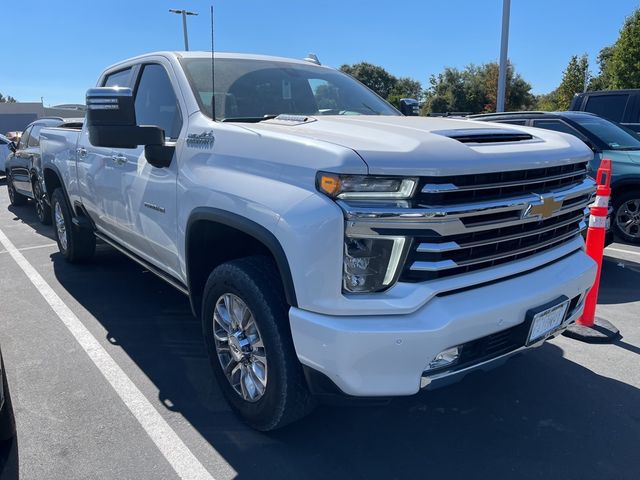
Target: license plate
547, 321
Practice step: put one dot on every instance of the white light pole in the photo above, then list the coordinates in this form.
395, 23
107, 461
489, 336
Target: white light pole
504, 46
184, 14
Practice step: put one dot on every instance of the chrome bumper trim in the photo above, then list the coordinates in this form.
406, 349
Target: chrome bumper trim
368, 218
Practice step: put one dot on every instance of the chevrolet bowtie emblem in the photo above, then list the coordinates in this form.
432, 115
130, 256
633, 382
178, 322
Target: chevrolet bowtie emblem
548, 207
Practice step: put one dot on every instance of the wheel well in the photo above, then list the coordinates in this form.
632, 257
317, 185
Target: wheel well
211, 243
622, 188
51, 181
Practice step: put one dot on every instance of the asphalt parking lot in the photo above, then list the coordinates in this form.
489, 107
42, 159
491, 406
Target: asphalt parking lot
566, 410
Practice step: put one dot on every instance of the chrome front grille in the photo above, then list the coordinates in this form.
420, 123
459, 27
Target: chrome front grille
466, 223
486, 186
465, 253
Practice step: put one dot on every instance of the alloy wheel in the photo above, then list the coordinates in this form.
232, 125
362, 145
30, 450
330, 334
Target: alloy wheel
628, 218
61, 227
239, 347
37, 194
10, 188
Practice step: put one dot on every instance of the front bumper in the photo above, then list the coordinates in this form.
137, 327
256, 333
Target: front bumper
387, 355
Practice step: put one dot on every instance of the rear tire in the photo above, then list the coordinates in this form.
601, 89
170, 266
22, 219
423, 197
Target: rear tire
43, 210
75, 244
16, 199
626, 216
268, 389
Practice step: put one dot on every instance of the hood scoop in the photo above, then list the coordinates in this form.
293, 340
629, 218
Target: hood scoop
291, 120
486, 135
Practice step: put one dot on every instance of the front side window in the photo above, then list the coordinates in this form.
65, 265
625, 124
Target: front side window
608, 106
253, 89
615, 136
156, 102
118, 79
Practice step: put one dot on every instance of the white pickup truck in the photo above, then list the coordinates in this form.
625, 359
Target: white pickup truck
330, 245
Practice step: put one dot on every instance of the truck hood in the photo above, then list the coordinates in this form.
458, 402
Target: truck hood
428, 146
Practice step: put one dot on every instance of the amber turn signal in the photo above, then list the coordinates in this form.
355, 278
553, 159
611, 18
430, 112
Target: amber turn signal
329, 184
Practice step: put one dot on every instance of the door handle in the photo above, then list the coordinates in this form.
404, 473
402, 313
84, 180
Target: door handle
81, 151
119, 159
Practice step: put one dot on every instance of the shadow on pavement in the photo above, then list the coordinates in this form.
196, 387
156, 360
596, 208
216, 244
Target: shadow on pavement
539, 416
627, 346
26, 214
619, 282
9, 465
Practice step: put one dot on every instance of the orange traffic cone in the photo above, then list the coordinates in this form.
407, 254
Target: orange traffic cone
590, 328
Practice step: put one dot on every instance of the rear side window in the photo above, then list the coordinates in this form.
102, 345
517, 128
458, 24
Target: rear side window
608, 106
24, 138
118, 79
156, 102
34, 136
513, 122
556, 125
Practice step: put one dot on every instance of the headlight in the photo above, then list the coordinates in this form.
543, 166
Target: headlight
365, 186
371, 264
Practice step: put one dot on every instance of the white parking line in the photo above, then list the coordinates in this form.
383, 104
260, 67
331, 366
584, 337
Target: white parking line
32, 248
170, 445
621, 250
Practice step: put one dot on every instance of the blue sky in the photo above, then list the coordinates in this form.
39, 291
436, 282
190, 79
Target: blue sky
60, 47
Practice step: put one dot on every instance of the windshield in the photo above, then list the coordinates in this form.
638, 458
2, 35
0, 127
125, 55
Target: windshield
252, 89
615, 136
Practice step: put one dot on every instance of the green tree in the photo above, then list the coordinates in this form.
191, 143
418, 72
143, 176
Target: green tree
373, 76
602, 81
623, 66
8, 99
405, 87
573, 81
475, 90
547, 102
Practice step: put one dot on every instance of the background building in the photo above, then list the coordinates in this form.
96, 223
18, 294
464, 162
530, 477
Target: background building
16, 116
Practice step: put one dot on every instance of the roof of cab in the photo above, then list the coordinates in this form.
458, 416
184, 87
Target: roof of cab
203, 54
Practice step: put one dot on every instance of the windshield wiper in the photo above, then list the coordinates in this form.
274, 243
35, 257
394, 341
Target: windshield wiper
249, 119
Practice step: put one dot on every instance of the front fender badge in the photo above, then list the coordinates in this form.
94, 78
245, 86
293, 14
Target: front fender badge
201, 140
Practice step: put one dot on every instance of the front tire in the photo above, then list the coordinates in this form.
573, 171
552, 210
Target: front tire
246, 329
16, 199
75, 244
626, 216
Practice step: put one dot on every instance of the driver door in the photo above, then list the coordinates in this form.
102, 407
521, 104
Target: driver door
147, 212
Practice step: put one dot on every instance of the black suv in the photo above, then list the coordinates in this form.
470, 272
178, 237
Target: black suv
622, 106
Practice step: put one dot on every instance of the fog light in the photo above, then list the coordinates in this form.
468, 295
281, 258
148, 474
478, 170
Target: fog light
445, 358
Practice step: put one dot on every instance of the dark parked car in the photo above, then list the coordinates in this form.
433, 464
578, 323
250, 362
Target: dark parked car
24, 167
608, 140
621, 106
